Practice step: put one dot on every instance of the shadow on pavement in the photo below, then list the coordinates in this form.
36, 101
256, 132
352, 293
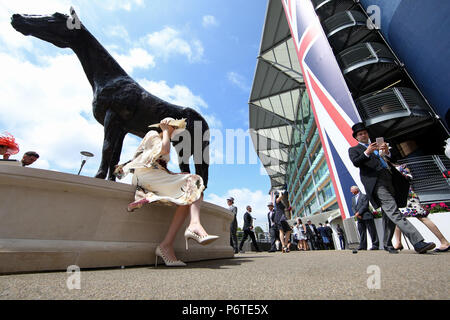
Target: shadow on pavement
213, 264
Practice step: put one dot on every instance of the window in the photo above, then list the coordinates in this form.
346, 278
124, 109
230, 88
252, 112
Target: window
323, 171
328, 191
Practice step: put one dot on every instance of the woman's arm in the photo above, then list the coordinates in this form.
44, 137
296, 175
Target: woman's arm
165, 148
280, 196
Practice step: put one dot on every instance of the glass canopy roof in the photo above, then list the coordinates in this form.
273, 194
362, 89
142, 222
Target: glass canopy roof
276, 95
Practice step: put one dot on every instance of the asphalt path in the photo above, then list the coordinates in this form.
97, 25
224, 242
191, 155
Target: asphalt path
252, 276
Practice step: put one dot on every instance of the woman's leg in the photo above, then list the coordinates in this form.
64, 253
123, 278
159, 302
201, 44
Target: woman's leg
398, 237
433, 228
195, 225
305, 245
283, 243
178, 219
287, 235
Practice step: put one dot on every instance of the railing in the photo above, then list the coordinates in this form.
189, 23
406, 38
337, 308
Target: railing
327, 8
347, 28
431, 177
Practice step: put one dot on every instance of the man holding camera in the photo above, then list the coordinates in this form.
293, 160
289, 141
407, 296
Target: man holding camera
385, 187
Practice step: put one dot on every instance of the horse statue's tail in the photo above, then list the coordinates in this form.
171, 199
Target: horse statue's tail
202, 165
199, 140
202, 168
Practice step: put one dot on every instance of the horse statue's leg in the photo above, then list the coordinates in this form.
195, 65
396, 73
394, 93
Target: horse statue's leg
116, 154
202, 165
111, 125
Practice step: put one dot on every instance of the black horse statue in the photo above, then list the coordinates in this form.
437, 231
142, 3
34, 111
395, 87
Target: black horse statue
120, 104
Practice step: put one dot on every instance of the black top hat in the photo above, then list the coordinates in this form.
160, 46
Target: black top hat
358, 127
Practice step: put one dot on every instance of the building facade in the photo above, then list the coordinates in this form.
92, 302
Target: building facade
282, 123
321, 68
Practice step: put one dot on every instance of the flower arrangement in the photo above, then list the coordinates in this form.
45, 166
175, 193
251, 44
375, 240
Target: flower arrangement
437, 207
377, 214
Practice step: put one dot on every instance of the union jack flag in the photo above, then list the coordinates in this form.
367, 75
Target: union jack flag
333, 107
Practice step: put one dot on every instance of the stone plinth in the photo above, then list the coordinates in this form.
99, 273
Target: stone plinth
50, 220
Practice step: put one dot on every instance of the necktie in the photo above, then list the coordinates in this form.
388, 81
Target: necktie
383, 163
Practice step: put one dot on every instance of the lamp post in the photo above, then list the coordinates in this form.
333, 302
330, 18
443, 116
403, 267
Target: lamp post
84, 156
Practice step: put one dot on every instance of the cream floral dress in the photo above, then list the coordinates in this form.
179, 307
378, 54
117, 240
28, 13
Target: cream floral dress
154, 182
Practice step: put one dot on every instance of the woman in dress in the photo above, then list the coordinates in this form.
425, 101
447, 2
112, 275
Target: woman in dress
281, 222
415, 209
8, 146
301, 236
154, 182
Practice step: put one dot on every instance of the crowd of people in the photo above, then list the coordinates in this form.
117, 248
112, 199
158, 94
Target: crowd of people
283, 236
388, 187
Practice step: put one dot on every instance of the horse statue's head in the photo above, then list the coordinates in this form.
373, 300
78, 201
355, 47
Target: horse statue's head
60, 29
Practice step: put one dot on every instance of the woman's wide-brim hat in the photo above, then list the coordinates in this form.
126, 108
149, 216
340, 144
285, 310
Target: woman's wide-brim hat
178, 124
358, 127
7, 139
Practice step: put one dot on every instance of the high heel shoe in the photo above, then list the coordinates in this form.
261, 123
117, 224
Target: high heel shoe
188, 234
399, 248
167, 262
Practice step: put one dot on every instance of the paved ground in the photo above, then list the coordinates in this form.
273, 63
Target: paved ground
254, 276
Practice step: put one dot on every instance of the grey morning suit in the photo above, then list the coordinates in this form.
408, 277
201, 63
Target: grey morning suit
233, 229
386, 188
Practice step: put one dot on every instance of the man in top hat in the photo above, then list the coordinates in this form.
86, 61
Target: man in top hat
385, 187
273, 230
233, 226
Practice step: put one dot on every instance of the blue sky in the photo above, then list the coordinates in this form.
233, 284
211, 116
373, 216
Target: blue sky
196, 53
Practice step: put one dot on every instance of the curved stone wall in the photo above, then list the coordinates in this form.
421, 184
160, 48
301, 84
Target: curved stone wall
50, 220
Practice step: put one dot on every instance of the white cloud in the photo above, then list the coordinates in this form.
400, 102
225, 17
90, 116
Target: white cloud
169, 42
36, 7
182, 96
136, 58
209, 21
43, 107
118, 31
238, 80
178, 94
14, 40
257, 199
126, 5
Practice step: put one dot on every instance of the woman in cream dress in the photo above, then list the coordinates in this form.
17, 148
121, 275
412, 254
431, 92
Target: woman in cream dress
154, 182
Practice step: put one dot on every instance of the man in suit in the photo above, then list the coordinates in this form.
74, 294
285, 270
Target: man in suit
312, 235
385, 187
233, 226
360, 207
323, 234
329, 232
248, 230
273, 230
340, 233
